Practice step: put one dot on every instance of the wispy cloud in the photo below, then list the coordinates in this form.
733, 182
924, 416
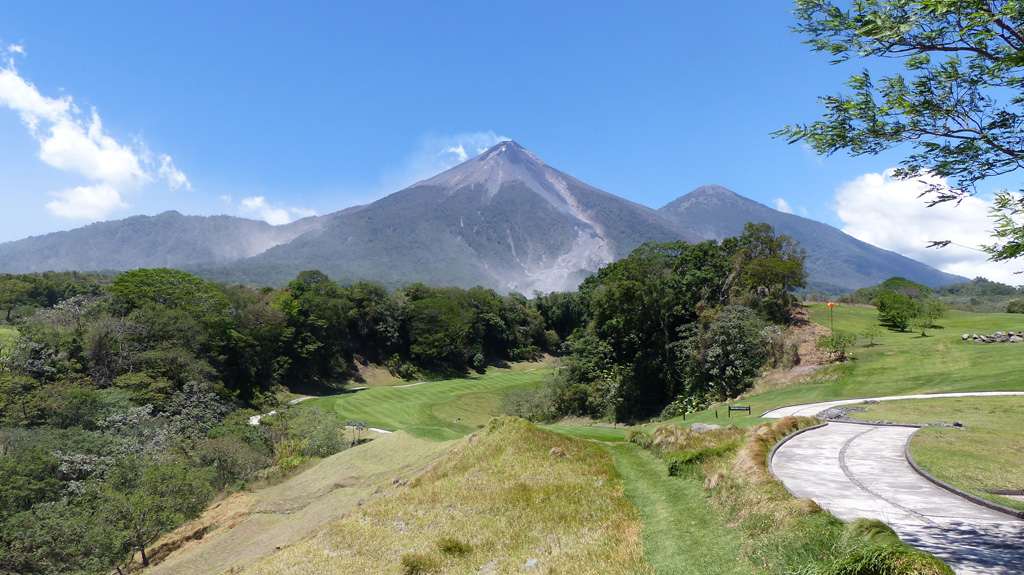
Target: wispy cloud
888, 213
783, 206
436, 154
273, 215
76, 143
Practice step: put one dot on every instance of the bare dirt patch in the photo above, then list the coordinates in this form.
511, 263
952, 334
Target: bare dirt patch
805, 334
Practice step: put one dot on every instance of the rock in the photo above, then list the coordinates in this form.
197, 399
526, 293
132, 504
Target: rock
1016, 339
958, 424
531, 564
556, 452
966, 336
702, 427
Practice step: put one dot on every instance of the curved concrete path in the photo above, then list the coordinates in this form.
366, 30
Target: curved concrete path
856, 470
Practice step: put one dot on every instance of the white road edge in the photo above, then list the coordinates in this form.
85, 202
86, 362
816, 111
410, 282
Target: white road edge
857, 470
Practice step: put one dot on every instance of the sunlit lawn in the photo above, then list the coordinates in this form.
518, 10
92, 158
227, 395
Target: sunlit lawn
436, 410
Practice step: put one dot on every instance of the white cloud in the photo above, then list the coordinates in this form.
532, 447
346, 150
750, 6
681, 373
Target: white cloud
302, 212
783, 206
22, 97
273, 215
175, 177
459, 151
433, 155
79, 146
86, 202
84, 149
886, 212
15, 48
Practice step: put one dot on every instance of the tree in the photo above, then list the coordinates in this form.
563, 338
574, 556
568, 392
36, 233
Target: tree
139, 506
769, 266
896, 309
959, 101
722, 354
928, 310
13, 292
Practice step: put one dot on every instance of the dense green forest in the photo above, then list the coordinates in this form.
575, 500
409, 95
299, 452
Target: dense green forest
124, 401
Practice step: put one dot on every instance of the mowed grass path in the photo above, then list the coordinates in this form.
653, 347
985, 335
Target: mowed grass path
683, 533
438, 410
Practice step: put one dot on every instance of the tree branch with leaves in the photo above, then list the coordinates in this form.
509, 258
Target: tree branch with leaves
958, 102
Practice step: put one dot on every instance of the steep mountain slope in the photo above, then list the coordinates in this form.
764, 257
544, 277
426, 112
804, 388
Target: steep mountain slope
835, 260
504, 220
165, 240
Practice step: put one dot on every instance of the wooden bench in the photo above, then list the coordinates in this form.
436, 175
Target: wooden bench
733, 408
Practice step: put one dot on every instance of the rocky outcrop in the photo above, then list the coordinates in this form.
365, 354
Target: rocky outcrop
997, 337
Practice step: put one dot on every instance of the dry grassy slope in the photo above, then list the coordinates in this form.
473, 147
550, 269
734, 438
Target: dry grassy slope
510, 494
247, 527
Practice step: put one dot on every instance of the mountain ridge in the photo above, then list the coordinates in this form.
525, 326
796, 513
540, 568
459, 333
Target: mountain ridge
504, 220
830, 252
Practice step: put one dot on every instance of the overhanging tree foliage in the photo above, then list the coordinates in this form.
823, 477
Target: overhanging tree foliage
959, 100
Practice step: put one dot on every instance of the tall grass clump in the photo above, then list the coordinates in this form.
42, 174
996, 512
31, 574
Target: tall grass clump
789, 535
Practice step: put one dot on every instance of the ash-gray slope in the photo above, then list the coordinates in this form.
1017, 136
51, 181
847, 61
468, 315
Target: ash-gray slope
835, 260
504, 220
165, 240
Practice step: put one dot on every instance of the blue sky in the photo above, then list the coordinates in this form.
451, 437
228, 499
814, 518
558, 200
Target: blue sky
280, 110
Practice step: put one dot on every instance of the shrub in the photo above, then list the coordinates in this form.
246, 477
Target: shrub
640, 438
1015, 306
679, 462
320, 432
836, 344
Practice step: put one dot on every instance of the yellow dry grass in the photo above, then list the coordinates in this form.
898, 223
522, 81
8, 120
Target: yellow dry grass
246, 527
505, 497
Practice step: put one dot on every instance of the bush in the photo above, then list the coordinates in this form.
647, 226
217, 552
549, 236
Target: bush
320, 432
836, 344
685, 404
1015, 306
640, 438
532, 404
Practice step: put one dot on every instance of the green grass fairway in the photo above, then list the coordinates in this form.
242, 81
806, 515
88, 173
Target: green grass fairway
983, 455
438, 410
902, 362
683, 533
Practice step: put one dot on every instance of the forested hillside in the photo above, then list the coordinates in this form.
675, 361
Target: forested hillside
124, 402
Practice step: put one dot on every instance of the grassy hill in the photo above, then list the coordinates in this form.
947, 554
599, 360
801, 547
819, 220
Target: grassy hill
512, 495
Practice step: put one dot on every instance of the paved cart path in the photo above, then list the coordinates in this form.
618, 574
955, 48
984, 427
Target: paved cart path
856, 470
